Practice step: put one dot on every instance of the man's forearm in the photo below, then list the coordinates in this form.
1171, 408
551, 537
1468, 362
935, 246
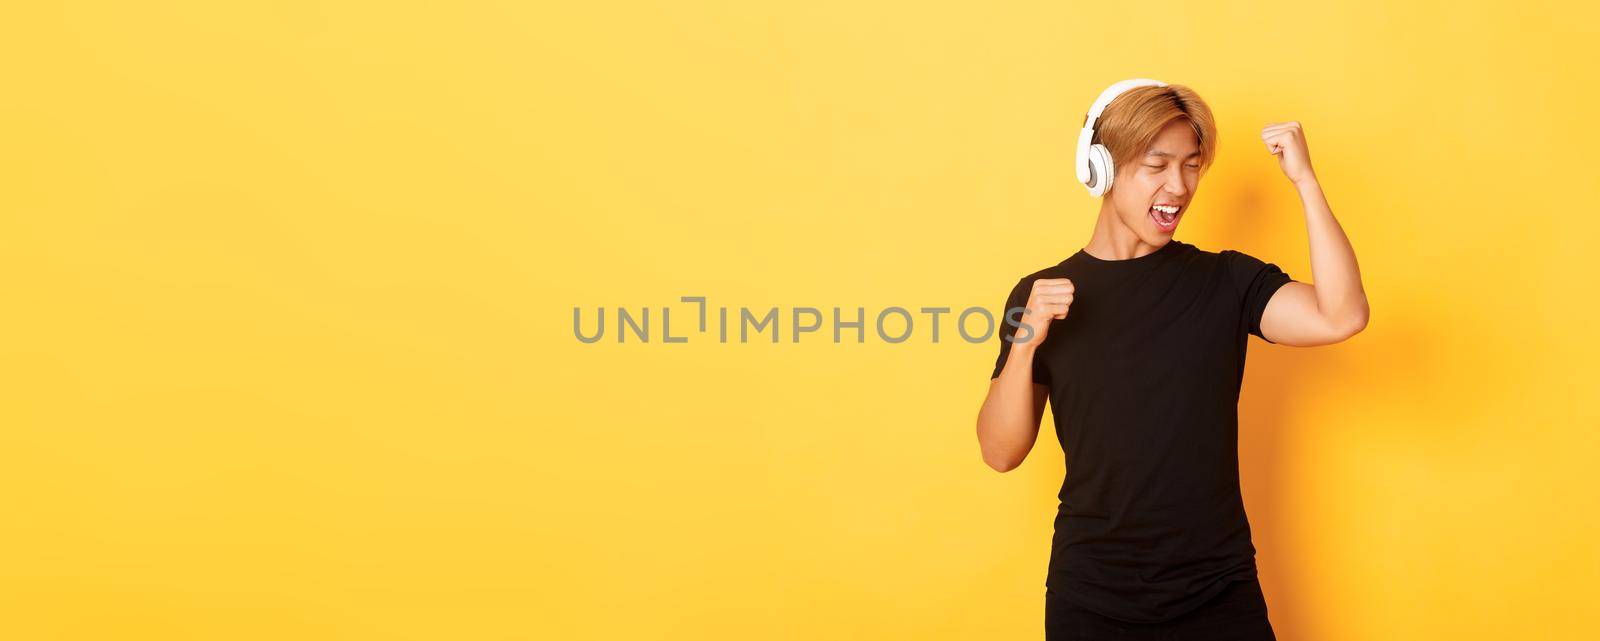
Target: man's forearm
1336, 277
1008, 422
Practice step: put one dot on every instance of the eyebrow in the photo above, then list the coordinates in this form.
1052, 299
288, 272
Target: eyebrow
1168, 155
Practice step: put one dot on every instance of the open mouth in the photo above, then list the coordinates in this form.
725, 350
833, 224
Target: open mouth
1165, 216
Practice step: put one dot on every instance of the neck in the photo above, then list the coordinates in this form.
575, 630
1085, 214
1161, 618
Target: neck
1113, 240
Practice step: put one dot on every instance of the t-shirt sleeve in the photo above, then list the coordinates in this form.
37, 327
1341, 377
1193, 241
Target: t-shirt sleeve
1004, 330
1255, 281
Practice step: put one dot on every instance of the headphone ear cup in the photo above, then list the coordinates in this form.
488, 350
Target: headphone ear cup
1101, 170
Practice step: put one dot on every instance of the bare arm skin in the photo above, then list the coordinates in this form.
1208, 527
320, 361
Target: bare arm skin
1008, 422
1334, 308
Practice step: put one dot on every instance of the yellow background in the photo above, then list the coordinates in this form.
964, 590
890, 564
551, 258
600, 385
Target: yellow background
288, 287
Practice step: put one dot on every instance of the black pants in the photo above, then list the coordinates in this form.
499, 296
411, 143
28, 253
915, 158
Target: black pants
1238, 613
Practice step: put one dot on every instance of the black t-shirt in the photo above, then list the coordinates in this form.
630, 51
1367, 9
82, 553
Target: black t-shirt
1144, 376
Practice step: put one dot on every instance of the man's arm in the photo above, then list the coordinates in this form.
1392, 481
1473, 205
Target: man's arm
1334, 306
1008, 421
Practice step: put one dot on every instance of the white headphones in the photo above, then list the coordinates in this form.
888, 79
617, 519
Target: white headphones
1094, 161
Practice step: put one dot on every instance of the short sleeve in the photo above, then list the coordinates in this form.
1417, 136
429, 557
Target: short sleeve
1015, 303
1255, 281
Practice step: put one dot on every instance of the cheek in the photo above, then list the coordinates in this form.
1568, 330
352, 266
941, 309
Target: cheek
1135, 205
1145, 186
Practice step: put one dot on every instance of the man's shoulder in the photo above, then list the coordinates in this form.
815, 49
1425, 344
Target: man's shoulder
1053, 271
1196, 254
1191, 248
1062, 269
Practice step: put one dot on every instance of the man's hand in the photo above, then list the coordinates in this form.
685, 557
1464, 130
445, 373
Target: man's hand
1287, 141
1048, 301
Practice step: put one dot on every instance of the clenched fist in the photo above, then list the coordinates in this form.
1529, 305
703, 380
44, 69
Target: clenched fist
1287, 141
1048, 301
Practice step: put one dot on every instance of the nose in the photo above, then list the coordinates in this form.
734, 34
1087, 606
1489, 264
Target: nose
1175, 181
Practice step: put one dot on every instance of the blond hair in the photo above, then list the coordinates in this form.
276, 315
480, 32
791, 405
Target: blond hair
1130, 123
